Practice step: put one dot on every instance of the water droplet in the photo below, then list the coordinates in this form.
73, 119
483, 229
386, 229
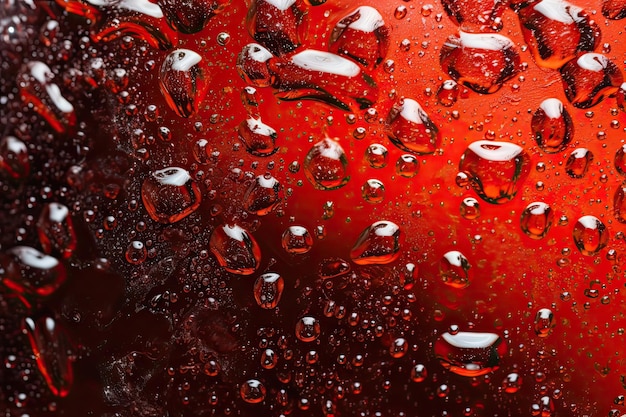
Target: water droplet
398, 348
258, 138
252, 65
407, 166
297, 240
496, 169
470, 354
223, 38
448, 93
480, 61
191, 16
481, 16
269, 359
14, 157
169, 195
332, 268
544, 322
136, 252
589, 79
28, 271
614, 9
556, 30
235, 249
619, 203
377, 155
378, 244
50, 345
277, 25
268, 288
252, 391
308, 329
552, 126
408, 275
590, 235
410, 128
400, 12
56, 230
373, 191
362, 36
183, 80
326, 165
620, 160
578, 162
536, 220
512, 383
470, 209
263, 195
454, 269
418, 373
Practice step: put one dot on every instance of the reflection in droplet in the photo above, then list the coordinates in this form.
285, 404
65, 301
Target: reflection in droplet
407, 166
268, 288
326, 165
619, 203
376, 155
373, 191
448, 93
578, 162
191, 16
14, 158
258, 138
378, 244
552, 126
410, 128
470, 354
590, 235
470, 209
512, 383
28, 271
308, 329
297, 240
277, 25
418, 373
252, 391
183, 81
544, 322
170, 194
56, 230
454, 269
536, 220
235, 249
263, 195
589, 79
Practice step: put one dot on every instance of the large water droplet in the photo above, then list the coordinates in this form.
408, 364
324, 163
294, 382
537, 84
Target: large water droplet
407, 166
191, 16
536, 220
258, 138
448, 93
482, 62
56, 230
183, 81
28, 271
268, 288
278, 25
362, 36
308, 329
252, 65
454, 269
50, 345
297, 240
589, 79
235, 249
418, 373
578, 162
410, 128
620, 160
556, 30
263, 195
590, 235
378, 244
544, 322
496, 169
470, 354
14, 157
169, 195
552, 126
326, 165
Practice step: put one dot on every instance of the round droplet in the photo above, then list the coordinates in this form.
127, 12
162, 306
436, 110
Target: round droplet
578, 162
399, 347
544, 322
252, 391
470, 209
297, 240
169, 195
223, 38
235, 249
308, 329
410, 129
378, 244
376, 155
373, 191
326, 165
268, 288
263, 196
136, 252
269, 359
620, 160
536, 220
590, 235
407, 166
512, 383
448, 93
454, 270
400, 12
418, 373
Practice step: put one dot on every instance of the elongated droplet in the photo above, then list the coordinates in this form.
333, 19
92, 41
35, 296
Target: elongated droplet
410, 128
14, 157
326, 165
620, 160
470, 354
544, 322
56, 230
590, 235
169, 195
454, 269
332, 268
268, 288
589, 79
378, 244
536, 220
235, 249
362, 36
50, 345
183, 80
28, 271
552, 126
263, 195
496, 170
191, 16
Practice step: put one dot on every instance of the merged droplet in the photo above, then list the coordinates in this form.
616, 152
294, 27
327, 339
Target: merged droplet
480, 16
590, 235
191, 16
480, 61
578, 162
552, 126
544, 322
263, 196
326, 165
49, 342
308, 329
362, 36
454, 270
378, 244
410, 128
614, 9
496, 170
536, 220
268, 288
28, 271
170, 194
556, 31
56, 230
297, 240
14, 157
278, 25
184, 80
252, 391
38, 89
470, 354
589, 79
235, 249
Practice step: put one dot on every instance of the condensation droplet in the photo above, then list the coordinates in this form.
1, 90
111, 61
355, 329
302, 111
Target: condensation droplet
268, 288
